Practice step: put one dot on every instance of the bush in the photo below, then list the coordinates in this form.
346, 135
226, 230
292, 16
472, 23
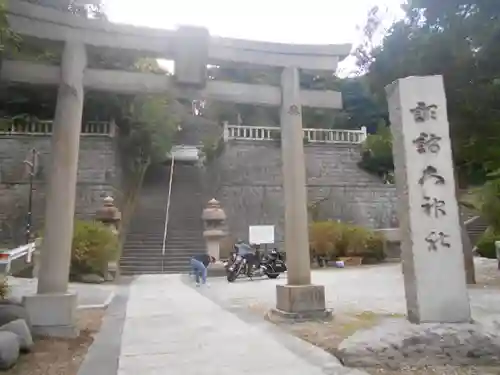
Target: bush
376, 153
332, 239
486, 244
94, 245
4, 287
375, 244
355, 240
324, 239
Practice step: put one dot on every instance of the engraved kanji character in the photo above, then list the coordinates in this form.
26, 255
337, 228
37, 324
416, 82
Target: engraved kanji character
423, 112
431, 172
437, 238
434, 207
427, 142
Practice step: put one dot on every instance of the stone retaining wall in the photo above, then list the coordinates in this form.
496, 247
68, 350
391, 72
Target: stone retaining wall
98, 176
247, 179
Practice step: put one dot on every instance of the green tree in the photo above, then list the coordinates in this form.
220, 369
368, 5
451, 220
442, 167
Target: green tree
376, 153
460, 40
267, 116
146, 123
146, 131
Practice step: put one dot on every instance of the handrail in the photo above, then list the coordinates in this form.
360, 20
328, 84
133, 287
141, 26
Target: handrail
7, 257
168, 204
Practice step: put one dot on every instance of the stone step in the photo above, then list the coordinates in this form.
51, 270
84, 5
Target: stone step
155, 262
176, 223
146, 252
158, 258
142, 252
171, 233
169, 244
159, 245
159, 272
139, 254
171, 237
155, 267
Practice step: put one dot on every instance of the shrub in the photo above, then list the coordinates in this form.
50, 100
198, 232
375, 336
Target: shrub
334, 239
375, 245
4, 287
320, 241
376, 153
355, 240
324, 238
94, 245
486, 244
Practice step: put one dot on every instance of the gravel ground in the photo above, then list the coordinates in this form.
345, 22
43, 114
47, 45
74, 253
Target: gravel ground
60, 356
360, 297
330, 334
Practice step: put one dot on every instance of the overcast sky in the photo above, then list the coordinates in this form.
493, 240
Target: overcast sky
315, 22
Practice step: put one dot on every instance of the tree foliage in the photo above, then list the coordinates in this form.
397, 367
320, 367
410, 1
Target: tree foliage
356, 97
458, 39
146, 123
376, 153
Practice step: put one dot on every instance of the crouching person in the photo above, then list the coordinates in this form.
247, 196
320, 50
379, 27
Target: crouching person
199, 264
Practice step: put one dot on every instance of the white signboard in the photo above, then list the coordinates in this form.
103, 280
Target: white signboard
261, 234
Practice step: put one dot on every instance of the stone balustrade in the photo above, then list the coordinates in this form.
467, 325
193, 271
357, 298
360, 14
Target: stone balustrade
270, 133
90, 128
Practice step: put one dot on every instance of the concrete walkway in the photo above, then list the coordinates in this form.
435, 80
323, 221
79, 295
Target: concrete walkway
170, 327
162, 324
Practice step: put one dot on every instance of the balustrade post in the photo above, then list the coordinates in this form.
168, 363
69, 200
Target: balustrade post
363, 138
225, 132
52, 310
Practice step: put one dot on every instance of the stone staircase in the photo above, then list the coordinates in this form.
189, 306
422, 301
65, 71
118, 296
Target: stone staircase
475, 229
185, 228
142, 253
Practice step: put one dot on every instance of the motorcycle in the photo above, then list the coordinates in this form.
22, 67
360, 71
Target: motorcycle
273, 264
236, 267
245, 261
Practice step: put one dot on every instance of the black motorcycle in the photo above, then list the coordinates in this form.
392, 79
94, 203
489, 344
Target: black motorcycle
273, 264
246, 261
235, 267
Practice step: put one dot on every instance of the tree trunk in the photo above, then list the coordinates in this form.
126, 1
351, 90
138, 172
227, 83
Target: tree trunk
470, 273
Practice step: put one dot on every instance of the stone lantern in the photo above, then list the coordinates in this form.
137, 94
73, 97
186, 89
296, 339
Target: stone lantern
214, 219
109, 215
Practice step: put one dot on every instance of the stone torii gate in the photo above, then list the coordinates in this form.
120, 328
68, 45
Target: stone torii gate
52, 309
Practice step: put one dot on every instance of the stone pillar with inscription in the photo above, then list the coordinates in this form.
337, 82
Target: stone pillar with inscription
298, 298
53, 309
433, 262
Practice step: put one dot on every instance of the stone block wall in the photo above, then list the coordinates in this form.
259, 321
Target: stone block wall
247, 179
98, 176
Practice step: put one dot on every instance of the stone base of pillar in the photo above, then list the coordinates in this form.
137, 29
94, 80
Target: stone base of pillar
216, 269
301, 302
53, 314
